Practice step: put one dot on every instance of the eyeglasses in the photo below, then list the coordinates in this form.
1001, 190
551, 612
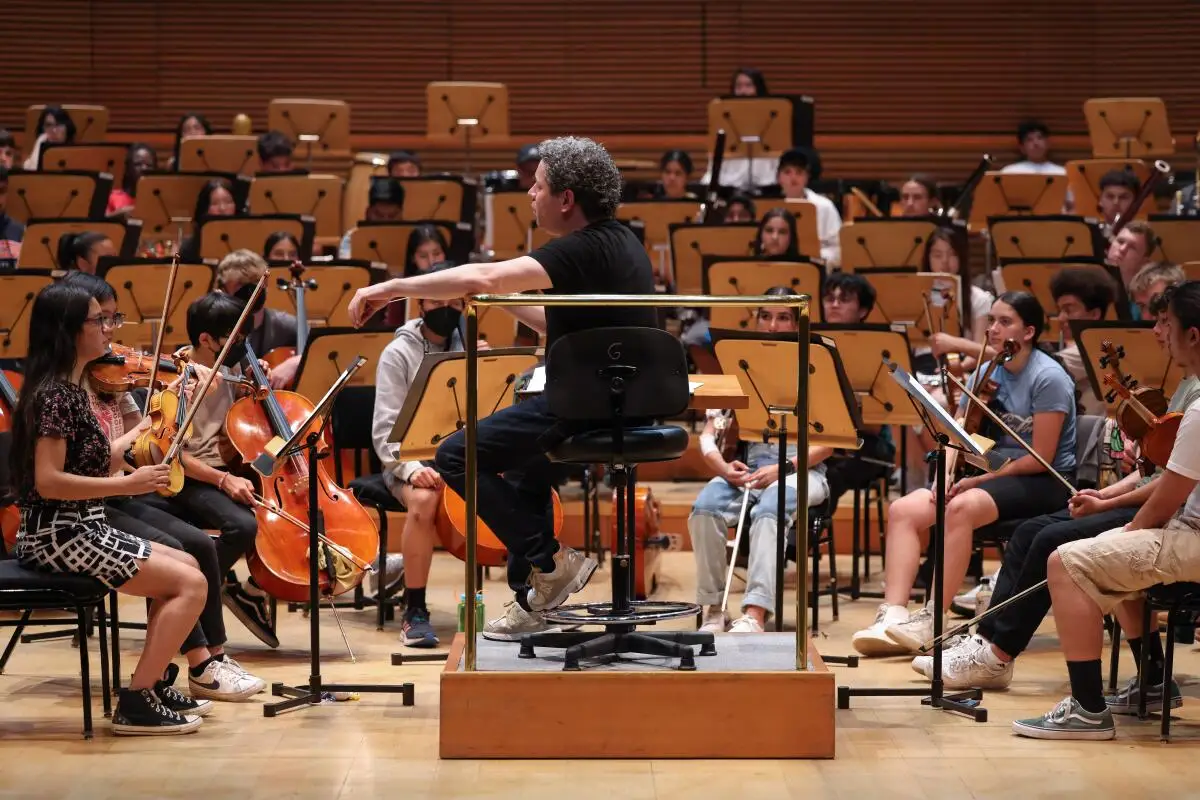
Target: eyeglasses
105, 321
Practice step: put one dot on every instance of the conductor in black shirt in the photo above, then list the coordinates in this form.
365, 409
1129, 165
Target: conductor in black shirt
575, 195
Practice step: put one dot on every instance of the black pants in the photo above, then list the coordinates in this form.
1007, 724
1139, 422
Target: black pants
515, 480
206, 506
1025, 556
132, 515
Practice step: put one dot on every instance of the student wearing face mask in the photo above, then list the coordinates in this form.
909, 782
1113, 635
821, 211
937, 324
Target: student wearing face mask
415, 484
237, 274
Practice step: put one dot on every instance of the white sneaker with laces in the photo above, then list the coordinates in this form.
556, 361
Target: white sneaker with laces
219, 681
923, 665
515, 623
914, 632
237, 667
715, 620
874, 641
745, 624
572, 571
971, 665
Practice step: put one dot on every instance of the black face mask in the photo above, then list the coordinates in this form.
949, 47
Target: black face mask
237, 351
244, 294
442, 321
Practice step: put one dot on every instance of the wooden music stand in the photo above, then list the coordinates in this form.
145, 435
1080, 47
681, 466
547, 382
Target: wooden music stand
219, 153
863, 349
325, 123
108, 158
141, 286
1050, 237
40, 248
755, 127
166, 201
690, 243
327, 303
1177, 238
387, 242
445, 198
329, 351
509, 221
899, 300
657, 216
1034, 276
58, 195
91, 122
358, 184
20, 290
1145, 360
808, 241
884, 243
316, 196
1083, 179
733, 277
1013, 194
220, 236
466, 112
1128, 127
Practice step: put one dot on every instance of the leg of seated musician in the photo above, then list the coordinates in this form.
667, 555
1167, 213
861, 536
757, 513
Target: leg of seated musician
716, 508
419, 537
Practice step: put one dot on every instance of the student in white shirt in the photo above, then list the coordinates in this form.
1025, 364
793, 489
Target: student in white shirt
1033, 140
796, 168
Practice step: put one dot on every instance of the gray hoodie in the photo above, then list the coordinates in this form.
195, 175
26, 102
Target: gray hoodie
398, 365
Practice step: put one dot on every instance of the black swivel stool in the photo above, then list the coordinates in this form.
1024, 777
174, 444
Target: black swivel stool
623, 377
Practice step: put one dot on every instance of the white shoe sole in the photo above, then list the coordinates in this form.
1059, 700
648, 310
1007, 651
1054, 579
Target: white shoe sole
1083, 735
193, 722
581, 580
871, 646
203, 708
1151, 707
500, 636
198, 691
905, 641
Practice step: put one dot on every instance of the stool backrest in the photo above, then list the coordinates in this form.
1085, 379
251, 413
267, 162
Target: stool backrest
626, 373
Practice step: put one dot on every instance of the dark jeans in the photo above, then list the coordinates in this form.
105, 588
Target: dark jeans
206, 506
1025, 556
515, 479
133, 516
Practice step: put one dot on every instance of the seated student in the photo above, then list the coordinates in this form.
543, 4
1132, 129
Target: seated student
1033, 140
1130, 251
83, 251
213, 497
986, 659
847, 299
945, 253
8, 149
54, 126
676, 167
796, 168
190, 126
403, 164
1084, 294
917, 195
1118, 188
139, 159
61, 469
215, 199
275, 153
748, 82
719, 502
1036, 398
1150, 281
385, 203
740, 208
1093, 577
237, 274
776, 237
281, 246
11, 231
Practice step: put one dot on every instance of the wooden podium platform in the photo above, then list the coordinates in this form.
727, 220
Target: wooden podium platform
746, 702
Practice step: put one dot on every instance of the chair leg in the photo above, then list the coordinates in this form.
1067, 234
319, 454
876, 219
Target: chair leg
12, 641
815, 589
856, 547
115, 615
833, 573
382, 596
1144, 663
1164, 734
102, 628
84, 672
1114, 658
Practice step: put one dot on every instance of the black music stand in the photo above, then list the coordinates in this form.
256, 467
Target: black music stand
949, 434
312, 693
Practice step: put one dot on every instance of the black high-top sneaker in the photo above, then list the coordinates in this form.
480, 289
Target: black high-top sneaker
139, 712
176, 700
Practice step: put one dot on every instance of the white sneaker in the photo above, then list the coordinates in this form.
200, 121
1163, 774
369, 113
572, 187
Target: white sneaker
874, 641
236, 667
572, 571
222, 682
970, 665
715, 620
746, 624
923, 665
515, 623
914, 632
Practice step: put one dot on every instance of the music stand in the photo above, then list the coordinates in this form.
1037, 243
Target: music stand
690, 243
1083, 179
1014, 194
900, 299
58, 195
316, 196
808, 241
19, 292
91, 122
949, 434
166, 201
881, 243
39, 250
107, 158
354, 199
509, 220
727, 277
329, 351
141, 286
1177, 238
387, 242
219, 153
1034, 276
327, 295
1048, 237
1128, 127
444, 198
325, 123
220, 236
757, 126
467, 112
1145, 360
657, 216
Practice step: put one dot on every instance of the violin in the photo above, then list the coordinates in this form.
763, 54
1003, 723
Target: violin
984, 391
10, 515
297, 285
167, 411
1151, 426
124, 368
279, 562
451, 524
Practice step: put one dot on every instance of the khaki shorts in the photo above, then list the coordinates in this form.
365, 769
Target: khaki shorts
1119, 565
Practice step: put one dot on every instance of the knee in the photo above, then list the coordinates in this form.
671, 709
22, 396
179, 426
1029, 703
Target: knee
190, 560
195, 588
422, 507
705, 525
1055, 571
450, 458
910, 509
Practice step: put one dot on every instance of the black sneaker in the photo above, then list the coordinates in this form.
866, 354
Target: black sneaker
139, 712
252, 610
175, 700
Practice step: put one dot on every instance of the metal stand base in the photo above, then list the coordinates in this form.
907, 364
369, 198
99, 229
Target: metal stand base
618, 639
966, 703
299, 696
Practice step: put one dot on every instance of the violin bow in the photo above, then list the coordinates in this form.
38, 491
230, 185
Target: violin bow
162, 330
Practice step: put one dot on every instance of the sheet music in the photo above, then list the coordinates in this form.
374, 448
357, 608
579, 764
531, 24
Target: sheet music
537, 382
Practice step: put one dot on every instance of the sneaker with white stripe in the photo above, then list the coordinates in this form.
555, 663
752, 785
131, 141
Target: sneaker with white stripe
1068, 720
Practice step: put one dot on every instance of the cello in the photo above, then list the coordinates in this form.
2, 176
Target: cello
279, 562
647, 543
451, 525
10, 515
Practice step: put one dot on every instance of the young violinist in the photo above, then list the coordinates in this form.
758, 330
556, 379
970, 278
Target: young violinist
719, 503
237, 274
1093, 577
211, 673
1036, 398
62, 467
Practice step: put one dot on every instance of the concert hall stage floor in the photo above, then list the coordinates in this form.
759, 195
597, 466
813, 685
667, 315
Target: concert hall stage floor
375, 747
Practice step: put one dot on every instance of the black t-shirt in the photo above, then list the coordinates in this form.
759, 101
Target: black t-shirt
603, 258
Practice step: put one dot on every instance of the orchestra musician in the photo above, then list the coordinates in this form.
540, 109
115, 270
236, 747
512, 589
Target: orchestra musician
797, 167
1037, 397
1150, 281
1093, 577
1033, 140
740, 208
1081, 294
1118, 188
847, 298
62, 468
575, 195
237, 275
917, 195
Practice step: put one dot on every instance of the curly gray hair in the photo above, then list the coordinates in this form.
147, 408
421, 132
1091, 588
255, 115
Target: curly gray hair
586, 168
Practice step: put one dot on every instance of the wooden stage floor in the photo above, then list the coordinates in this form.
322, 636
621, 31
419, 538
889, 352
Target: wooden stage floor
375, 747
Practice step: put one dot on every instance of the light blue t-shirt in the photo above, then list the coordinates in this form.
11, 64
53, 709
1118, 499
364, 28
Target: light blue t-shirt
1043, 386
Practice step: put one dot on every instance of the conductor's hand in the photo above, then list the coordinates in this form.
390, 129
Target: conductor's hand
144, 480
239, 489
736, 473
426, 478
366, 302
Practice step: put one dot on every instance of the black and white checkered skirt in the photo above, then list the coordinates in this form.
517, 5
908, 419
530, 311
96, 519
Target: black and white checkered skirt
60, 540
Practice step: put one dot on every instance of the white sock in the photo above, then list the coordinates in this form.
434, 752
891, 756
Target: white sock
895, 614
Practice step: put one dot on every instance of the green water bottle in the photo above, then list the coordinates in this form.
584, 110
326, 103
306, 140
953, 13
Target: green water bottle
480, 617
462, 613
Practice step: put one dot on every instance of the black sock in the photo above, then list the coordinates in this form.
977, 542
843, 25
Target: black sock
1087, 684
1135, 647
1154, 672
219, 657
414, 598
198, 670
